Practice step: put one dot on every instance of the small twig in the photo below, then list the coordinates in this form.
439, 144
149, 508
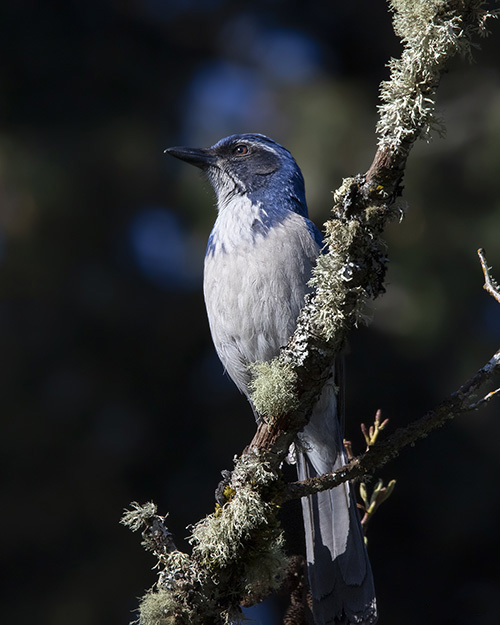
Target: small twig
380, 454
490, 283
371, 433
348, 449
156, 536
372, 502
380, 493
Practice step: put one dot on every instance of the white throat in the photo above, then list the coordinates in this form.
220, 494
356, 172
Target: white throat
234, 226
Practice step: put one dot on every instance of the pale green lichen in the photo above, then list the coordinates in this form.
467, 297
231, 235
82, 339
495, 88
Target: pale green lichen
218, 538
246, 527
186, 594
138, 516
266, 567
240, 547
252, 469
330, 277
158, 607
432, 31
349, 273
178, 568
272, 388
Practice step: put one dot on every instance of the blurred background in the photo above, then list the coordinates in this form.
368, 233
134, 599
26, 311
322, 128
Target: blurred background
111, 390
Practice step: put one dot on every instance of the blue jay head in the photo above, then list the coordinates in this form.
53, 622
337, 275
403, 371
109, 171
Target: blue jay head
252, 165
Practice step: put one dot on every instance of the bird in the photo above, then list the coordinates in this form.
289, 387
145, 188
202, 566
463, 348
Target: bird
258, 262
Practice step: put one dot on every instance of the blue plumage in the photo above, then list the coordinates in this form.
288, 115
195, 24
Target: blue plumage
258, 262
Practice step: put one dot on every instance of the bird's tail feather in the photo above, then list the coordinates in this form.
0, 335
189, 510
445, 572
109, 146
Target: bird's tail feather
339, 571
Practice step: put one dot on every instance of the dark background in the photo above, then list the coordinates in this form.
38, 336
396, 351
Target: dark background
111, 391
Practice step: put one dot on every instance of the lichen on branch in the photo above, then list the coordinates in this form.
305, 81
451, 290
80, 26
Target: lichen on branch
237, 555
432, 32
352, 267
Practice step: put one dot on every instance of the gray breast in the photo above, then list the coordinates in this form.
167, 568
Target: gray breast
254, 291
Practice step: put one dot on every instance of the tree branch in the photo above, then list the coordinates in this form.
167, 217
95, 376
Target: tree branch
490, 284
461, 401
237, 552
353, 268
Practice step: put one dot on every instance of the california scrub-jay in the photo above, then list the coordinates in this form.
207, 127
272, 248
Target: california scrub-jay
257, 265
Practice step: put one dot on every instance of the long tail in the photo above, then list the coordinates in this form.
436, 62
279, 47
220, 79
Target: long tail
339, 571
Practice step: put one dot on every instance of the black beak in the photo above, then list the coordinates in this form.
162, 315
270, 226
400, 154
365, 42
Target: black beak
199, 157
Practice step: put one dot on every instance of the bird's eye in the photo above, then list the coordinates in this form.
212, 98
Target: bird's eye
240, 150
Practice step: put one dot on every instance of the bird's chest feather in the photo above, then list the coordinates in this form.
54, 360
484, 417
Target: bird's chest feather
256, 273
